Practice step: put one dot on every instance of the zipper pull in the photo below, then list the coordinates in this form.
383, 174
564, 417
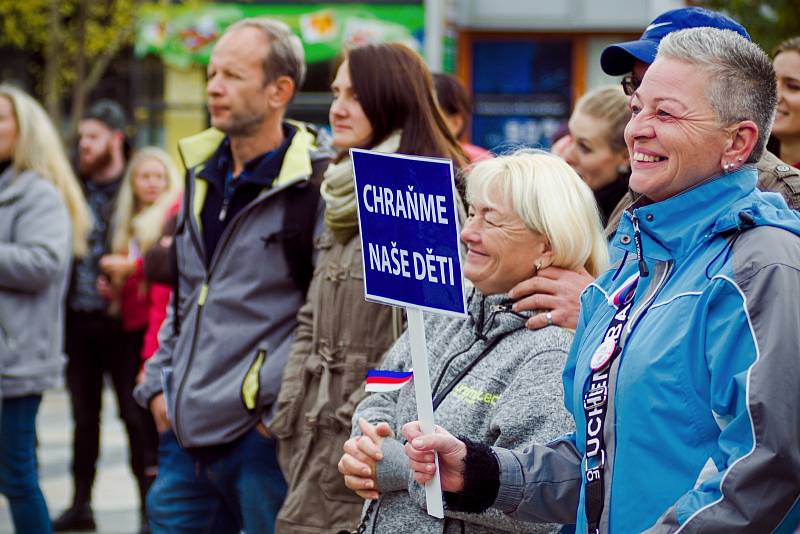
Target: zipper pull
201, 298
644, 272
224, 211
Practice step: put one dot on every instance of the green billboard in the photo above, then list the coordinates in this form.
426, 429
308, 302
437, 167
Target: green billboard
184, 35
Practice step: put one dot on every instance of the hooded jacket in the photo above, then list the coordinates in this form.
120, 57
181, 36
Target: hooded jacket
237, 308
702, 429
35, 256
511, 398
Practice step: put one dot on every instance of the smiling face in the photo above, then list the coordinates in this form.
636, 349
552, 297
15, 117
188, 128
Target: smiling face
673, 136
238, 94
590, 152
149, 182
8, 129
502, 250
787, 116
350, 125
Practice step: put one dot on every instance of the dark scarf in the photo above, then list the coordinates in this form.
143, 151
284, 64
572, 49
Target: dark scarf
608, 197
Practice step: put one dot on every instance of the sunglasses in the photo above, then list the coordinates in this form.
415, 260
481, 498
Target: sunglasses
630, 84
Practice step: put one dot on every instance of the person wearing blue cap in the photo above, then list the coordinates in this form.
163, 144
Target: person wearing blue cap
556, 293
632, 58
682, 376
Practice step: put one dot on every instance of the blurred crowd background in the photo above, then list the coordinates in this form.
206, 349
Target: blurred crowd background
525, 62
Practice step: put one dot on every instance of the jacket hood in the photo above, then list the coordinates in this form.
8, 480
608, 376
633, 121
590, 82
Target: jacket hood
307, 146
673, 227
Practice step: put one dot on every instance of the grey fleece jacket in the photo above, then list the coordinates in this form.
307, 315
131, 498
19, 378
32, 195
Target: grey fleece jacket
511, 398
35, 254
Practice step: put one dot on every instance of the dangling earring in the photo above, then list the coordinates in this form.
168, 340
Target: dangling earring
538, 267
728, 167
623, 169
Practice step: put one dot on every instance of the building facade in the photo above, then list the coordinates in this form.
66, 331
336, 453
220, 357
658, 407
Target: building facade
525, 61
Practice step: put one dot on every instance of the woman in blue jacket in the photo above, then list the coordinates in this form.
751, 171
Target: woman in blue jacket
683, 375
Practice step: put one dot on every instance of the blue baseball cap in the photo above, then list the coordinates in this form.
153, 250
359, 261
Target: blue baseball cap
619, 58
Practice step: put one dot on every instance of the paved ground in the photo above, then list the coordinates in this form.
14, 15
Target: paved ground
115, 496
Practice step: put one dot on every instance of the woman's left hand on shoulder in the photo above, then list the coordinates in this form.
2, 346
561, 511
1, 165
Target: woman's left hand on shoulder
555, 290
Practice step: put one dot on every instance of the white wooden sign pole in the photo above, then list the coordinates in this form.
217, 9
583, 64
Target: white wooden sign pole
422, 389
410, 248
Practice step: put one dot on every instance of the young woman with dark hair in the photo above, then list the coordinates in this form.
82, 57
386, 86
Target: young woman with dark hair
383, 100
395, 91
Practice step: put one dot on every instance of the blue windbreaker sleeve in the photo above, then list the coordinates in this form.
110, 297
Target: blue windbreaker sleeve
752, 482
543, 482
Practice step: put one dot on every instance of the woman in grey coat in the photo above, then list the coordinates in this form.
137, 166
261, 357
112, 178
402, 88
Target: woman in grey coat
43, 222
494, 381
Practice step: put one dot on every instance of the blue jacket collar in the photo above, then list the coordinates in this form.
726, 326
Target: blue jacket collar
674, 227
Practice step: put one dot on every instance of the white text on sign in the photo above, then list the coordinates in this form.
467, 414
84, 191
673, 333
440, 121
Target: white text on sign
397, 261
405, 204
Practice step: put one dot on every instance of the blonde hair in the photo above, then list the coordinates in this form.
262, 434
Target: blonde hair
551, 199
146, 225
39, 149
608, 103
792, 44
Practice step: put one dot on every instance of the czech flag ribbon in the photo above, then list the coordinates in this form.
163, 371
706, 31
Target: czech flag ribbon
624, 293
381, 381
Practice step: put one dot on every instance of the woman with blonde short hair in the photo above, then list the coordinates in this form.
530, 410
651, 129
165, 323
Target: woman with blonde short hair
44, 221
494, 381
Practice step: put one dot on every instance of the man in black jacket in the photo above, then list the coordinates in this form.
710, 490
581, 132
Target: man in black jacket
93, 336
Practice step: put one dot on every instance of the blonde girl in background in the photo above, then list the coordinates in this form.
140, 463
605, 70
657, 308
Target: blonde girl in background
150, 187
597, 149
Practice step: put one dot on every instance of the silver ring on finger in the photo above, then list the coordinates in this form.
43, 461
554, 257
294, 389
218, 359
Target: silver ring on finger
549, 316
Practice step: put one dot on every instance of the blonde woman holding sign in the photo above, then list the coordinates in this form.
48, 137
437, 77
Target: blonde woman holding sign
493, 380
383, 100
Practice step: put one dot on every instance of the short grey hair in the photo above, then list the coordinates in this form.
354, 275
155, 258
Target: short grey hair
742, 79
286, 56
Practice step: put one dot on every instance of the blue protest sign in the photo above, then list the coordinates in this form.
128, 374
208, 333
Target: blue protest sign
409, 231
